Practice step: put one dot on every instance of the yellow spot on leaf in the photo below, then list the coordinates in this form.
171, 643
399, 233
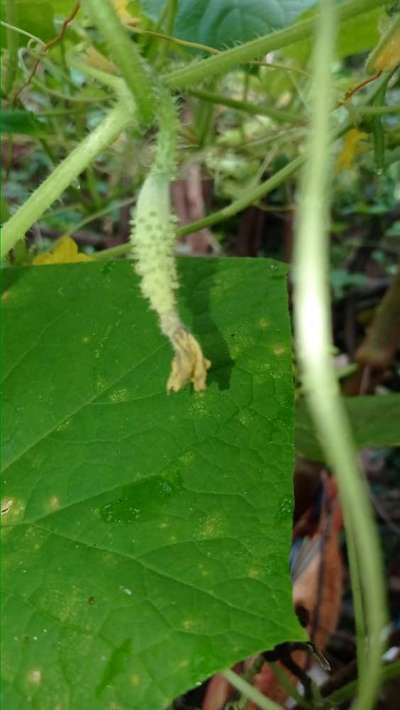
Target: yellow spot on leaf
279, 349
119, 396
135, 680
63, 425
12, 509
65, 251
54, 503
183, 663
35, 676
188, 624
352, 146
211, 527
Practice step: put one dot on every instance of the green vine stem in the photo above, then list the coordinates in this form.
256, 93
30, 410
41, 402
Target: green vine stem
314, 345
125, 54
376, 110
346, 692
66, 172
225, 61
248, 197
249, 691
246, 106
51, 189
12, 46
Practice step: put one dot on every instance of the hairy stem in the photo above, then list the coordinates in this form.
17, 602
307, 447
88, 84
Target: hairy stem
314, 344
51, 189
227, 60
125, 54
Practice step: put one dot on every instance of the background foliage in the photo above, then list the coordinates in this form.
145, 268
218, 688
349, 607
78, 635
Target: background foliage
237, 132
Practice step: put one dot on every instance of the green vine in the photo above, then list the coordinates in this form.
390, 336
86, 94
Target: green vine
125, 54
225, 61
135, 74
12, 46
314, 344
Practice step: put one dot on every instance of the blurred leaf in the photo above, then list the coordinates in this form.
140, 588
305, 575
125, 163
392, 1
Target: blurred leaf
386, 55
24, 122
147, 536
374, 419
342, 281
354, 36
36, 17
222, 23
394, 230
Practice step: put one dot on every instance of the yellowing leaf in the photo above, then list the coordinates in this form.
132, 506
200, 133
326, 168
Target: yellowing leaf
386, 55
351, 148
389, 57
65, 251
121, 7
99, 61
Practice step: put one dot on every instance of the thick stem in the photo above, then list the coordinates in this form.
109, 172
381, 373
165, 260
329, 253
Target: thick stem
51, 189
125, 54
227, 60
314, 344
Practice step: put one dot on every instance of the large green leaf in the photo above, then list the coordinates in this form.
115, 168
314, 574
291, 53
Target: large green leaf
147, 535
36, 17
374, 419
221, 23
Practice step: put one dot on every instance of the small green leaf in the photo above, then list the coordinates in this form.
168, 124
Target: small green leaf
374, 419
146, 536
222, 23
24, 122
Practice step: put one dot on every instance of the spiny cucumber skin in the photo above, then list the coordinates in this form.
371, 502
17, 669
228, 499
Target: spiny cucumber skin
153, 239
